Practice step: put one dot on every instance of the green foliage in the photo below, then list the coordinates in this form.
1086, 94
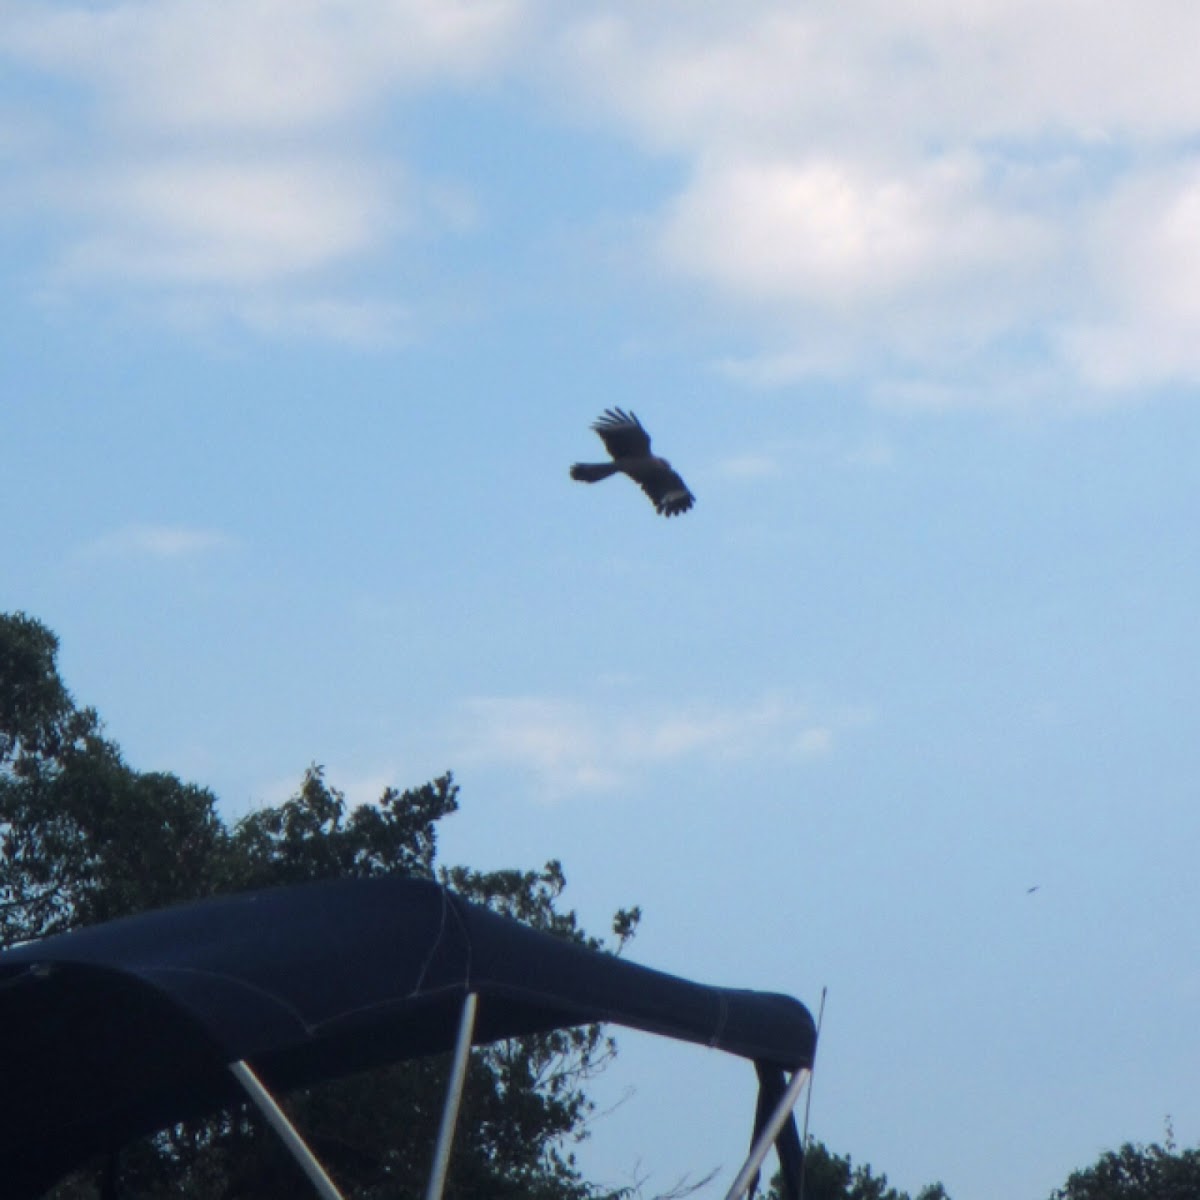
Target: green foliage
312, 836
1151, 1172
85, 838
38, 718
829, 1176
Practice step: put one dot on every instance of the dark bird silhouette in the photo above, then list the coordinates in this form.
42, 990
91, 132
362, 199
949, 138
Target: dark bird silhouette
629, 444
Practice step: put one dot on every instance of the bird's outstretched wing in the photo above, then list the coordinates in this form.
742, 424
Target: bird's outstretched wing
622, 434
664, 485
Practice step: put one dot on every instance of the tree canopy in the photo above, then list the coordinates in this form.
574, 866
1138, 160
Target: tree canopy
829, 1176
1137, 1172
86, 838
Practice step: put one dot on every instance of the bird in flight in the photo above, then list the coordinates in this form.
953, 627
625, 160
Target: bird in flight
629, 444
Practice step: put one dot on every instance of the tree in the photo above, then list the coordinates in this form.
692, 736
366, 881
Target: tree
1154, 1172
37, 714
85, 838
829, 1176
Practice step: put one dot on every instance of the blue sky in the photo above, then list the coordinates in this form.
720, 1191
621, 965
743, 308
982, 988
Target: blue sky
308, 307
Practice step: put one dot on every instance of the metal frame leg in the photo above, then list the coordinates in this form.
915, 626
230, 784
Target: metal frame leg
279, 1122
454, 1091
766, 1139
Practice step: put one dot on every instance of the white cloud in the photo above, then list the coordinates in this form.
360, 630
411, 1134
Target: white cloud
554, 740
1143, 248
870, 188
257, 65
570, 746
689, 76
164, 542
223, 158
835, 233
767, 75
198, 221
912, 189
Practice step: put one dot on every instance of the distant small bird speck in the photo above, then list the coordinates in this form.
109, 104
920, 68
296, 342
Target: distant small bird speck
1030, 891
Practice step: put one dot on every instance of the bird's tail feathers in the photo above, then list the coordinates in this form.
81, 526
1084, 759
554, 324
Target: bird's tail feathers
592, 472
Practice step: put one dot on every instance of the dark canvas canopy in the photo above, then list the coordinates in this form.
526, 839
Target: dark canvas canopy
117, 1030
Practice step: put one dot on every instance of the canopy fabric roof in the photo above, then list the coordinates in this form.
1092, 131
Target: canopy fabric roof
117, 1030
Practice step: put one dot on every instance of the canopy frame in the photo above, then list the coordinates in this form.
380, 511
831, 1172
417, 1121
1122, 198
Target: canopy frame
328, 1190
308, 1162
279, 1122
113, 1031
747, 1176
454, 1094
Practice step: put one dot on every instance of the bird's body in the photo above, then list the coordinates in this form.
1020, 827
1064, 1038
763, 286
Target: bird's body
629, 444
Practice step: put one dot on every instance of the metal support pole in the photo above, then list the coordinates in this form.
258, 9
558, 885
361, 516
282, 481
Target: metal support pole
766, 1139
279, 1122
454, 1091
